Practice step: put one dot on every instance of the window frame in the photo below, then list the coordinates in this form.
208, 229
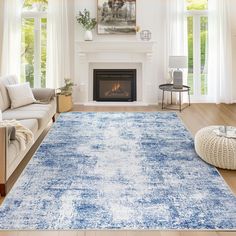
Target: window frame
197, 14
37, 16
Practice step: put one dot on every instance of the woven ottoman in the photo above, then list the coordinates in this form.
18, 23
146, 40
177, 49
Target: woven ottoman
216, 150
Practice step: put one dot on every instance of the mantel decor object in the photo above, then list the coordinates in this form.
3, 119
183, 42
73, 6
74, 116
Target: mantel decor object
177, 63
146, 35
87, 23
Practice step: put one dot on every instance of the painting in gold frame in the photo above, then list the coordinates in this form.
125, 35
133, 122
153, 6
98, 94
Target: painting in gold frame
117, 17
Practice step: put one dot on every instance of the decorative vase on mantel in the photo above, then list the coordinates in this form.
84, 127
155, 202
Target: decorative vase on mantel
88, 23
88, 36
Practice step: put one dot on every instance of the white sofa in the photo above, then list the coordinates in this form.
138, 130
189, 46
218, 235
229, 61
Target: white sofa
34, 116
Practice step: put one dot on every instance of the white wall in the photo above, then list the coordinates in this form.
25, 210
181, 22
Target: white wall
1, 29
150, 15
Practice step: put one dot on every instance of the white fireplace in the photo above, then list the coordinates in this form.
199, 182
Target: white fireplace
115, 55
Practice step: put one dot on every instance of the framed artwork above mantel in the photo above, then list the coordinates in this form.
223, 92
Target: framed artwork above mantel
116, 17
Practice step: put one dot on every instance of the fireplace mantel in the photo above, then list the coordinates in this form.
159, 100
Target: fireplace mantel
115, 46
115, 55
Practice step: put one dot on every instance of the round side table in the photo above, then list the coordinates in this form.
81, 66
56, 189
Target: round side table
170, 88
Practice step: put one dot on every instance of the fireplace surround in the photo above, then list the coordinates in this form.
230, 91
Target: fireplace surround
115, 55
114, 85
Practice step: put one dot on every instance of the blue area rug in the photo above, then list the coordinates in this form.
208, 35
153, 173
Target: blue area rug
119, 171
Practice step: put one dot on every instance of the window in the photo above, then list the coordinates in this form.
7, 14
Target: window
197, 19
34, 41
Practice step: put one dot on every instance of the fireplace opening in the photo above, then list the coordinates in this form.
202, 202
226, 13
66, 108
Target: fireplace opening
114, 85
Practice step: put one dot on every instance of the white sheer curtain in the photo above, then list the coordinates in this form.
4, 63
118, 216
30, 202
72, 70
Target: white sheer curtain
58, 44
11, 42
220, 56
176, 30
1, 30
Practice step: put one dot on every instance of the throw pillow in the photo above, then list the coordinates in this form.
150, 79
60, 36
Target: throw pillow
20, 95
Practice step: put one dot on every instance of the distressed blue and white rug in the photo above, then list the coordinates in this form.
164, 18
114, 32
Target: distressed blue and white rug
119, 171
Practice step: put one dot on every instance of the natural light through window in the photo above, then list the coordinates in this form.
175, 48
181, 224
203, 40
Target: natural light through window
33, 42
197, 19
197, 4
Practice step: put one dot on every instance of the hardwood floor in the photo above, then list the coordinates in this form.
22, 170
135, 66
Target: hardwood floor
195, 117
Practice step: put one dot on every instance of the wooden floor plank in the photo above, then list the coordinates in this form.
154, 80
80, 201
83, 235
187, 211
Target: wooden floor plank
8, 233
143, 233
79, 233
90, 233
170, 233
109, 233
71, 233
1, 200
24, 233
230, 179
226, 233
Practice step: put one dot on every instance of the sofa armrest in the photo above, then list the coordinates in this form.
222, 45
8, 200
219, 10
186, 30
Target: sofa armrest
3, 146
44, 94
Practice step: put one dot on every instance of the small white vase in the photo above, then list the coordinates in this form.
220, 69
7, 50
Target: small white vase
88, 35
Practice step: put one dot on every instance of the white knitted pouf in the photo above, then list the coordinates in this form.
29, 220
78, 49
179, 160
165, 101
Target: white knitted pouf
216, 150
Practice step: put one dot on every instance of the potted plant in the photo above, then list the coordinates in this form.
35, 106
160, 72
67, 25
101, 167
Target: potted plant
88, 24
64, 97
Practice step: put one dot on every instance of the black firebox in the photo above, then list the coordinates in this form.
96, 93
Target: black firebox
114, 85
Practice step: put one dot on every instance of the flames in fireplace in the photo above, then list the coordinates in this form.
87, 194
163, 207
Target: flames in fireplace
116, 89
114, 85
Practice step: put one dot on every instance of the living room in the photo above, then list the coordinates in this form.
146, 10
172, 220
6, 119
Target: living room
117, 117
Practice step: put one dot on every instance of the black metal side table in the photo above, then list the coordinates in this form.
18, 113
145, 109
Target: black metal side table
170, 88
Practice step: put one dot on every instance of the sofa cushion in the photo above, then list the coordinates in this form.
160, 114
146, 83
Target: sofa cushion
41, 112
4, 98
20, 95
